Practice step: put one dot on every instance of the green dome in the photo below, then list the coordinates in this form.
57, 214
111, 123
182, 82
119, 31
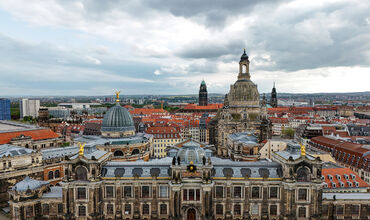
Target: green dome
117, 118
244, 56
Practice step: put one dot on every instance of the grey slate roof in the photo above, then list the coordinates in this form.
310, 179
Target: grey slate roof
91, 151
12, 150
98, 140
55, 192
59, 152
293, 150
244, 137
29, 183
349, 196
159, 167
258, 169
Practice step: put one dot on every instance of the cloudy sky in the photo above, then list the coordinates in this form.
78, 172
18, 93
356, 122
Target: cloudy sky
92, 47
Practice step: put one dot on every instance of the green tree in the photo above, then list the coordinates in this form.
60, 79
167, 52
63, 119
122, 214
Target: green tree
289, 132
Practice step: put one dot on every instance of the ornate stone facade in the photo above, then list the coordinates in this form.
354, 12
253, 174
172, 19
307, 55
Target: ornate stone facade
241, 111
189, 184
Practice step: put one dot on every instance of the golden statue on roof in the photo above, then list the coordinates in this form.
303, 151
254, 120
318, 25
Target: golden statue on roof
81, 153
303, 150
117, 95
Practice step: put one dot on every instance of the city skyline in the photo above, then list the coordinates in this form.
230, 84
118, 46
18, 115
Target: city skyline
91, 48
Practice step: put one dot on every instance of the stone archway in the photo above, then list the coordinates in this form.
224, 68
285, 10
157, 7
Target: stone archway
191, 214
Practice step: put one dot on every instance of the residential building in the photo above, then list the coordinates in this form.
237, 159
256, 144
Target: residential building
29, 107
272, 145
163, 137
352, 155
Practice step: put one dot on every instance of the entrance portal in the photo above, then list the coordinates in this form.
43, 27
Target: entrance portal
191, 214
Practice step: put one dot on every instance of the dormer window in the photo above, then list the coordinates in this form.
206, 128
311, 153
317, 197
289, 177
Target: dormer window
353, 176
346, 176
357, 184
333, 185
338, 177
349, 183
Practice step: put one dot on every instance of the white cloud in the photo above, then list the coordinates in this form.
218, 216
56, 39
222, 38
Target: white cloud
182, 43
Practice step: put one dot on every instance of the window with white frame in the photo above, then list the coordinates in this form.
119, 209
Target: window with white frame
163, 191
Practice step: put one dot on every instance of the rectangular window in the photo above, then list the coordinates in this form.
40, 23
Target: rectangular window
163, 191
82, 210
16, 211
145, 209
60, 208
219, 191
255, 192
355, 209
197, 194
127, 191
163, 209
324, 210
145, 192
273, 209
274, 192
127, 209
237, 191
339, 209
81, 193
302, 212
302, 194
191, 195
185, 194
110, 209
219, 209
109, 192
29, 211
45, 209
255, 209
237, 209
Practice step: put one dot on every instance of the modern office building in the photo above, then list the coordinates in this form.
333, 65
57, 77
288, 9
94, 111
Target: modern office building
4, 109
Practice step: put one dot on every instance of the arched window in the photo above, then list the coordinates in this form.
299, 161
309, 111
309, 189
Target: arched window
244, 69
303, 174
57, 174
135, 151
81, 173
51, 175
118, 153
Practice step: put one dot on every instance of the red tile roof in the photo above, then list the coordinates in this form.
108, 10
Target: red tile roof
39, 134
147, 111
197, 107
340, 172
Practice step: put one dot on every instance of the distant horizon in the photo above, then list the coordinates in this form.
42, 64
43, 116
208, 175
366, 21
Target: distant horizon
195, 94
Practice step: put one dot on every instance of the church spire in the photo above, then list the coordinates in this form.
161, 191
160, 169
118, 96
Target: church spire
244, 67
203, 94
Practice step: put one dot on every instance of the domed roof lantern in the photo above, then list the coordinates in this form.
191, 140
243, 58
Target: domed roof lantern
244, 56
118, 119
